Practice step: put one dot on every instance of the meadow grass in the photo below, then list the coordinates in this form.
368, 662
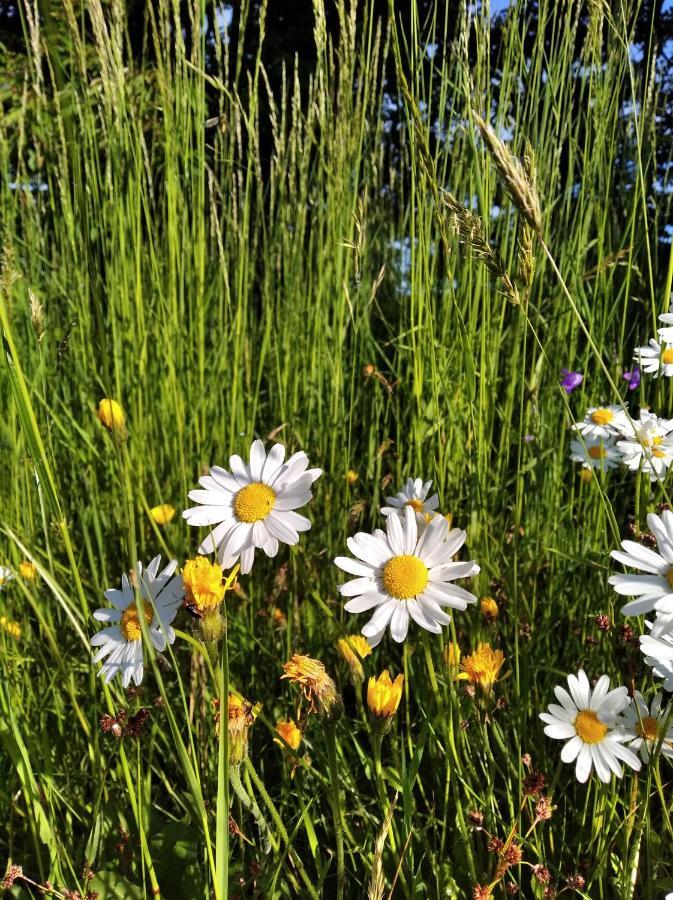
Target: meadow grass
323, 295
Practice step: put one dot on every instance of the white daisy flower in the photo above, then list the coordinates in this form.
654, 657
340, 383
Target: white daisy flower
655, 358
254, 505
645, 726
161, 594
657, 648
647, 444
586, 720
6, 575
602, 423
666, 334
654, 590
595, 454
403, 575
413, 494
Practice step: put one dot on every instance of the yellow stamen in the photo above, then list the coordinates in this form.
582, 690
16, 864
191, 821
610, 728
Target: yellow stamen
667, 356
405, 577
254, 502
602, 416
648, 728
589, 727
130, 622
416, 505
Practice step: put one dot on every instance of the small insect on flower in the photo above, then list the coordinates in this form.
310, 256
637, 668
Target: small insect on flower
653, 590
602, 423
482, 667
403, 575
353, 650
27, 570
587, 721
655, 358
316, 685
241, 716
161, 595
383, 698
289, 732
6, 575
595, 454
489, 609
646, 726
163, 514
413, 494
111, 415
571, 380
253, 506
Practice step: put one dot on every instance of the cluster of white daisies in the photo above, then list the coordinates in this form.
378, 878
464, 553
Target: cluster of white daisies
605, 727
405, 572
609, 437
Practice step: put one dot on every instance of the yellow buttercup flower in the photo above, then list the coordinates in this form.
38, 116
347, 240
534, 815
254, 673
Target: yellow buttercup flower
204, 588
289, 732
384, 695
163, 514
483, 666
28, 571
112, 416
316, 685
354, 649
13, 629
489, 609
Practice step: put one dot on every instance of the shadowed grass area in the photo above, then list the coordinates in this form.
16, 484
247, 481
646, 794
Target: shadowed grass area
345, 271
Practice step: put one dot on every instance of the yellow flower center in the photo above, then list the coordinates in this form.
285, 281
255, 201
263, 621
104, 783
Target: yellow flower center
416, 505
130, 622
648, 728
254, 502
405, 577
602, 416
667, 356
589, 727
597, 452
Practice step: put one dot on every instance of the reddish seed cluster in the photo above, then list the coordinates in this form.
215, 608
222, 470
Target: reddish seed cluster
476, 819
541, 874
13, 873
534, 783
602, 622
121, 725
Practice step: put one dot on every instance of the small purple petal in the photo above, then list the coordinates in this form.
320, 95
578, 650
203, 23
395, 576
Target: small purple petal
571, 380
529, 438
633, 378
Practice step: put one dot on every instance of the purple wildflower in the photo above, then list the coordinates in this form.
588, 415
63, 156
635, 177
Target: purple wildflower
529, 438
571, 380
633, 378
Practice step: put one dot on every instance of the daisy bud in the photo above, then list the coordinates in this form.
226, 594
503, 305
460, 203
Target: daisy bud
489, 609
316, 685
289, 732
28, 571
353, 649
163, 514
383, 699
241, 717
112, 417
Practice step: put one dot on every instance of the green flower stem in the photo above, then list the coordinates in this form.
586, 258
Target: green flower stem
282, 831
330, 738
250, 804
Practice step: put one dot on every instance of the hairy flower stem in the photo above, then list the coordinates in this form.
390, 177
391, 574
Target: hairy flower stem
250, 804
330, 739
278, 822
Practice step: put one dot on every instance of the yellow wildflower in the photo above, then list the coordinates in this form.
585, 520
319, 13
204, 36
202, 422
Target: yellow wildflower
289, 732
483, 666
351, 477
316, 685
383, 698
163, 514
28, 571
204, 588
112, 416
13, 629
354, 649
489, 609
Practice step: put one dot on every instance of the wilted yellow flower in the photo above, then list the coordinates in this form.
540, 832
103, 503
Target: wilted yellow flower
241, 717
482, 666
13, 629
384, 695
163, 514
289, 732
452, 659
112, 416
204, 588
316, 685
28, 571
351, 477
489, 609
354, 649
